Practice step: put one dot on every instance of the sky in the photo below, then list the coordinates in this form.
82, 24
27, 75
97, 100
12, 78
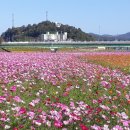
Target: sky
95, 16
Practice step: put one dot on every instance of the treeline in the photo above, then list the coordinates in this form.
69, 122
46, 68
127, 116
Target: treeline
33, 32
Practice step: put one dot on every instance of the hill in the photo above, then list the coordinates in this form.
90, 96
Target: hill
121, 37
33, 32
125, 36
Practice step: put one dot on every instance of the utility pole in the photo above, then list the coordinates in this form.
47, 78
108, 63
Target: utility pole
12, 38
12, 20
46, 15
99, 33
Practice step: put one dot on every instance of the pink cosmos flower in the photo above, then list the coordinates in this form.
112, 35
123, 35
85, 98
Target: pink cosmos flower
117, 127
94, 101
32, 128
13, 88
2, 99
22, 110
65, 94
58, 124
37, 122
124, 116
105, 84
31, 115
72, 104
95, 127
105, 107
66, 122
126, 123
34, 102
83, 127
18, 99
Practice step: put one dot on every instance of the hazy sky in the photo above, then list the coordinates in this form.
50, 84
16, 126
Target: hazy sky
113, 16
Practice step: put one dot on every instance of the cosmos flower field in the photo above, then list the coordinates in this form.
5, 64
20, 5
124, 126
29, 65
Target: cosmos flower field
50, 91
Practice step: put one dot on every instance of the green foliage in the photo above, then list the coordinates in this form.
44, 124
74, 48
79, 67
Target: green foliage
33, 32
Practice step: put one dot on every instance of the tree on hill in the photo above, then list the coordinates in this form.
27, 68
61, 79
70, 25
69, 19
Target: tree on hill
33, 32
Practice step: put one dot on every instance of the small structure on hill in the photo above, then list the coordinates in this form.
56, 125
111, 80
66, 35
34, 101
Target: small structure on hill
54, 37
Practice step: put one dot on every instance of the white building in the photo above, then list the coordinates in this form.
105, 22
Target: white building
54, 37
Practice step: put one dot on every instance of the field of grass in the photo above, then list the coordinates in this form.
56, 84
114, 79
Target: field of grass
67, 91
27, 49
36, 49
